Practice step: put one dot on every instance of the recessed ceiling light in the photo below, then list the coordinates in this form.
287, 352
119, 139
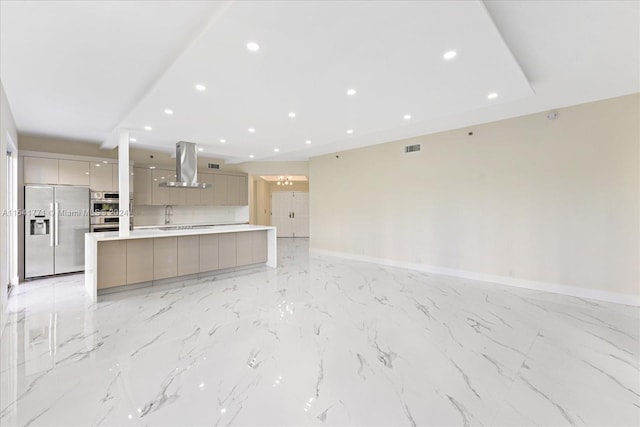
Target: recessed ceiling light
253, 46
200, 149
292, 114
307, 141
148, 128
276, 150
104, 161
492, 95
223, 141
201, 87
351, 92
169, 112
350, 131
252, 130
152, 167
97, 165
251, 156
450, 55
132, 139
407, 117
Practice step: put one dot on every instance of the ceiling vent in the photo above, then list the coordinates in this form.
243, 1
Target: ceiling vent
411, 148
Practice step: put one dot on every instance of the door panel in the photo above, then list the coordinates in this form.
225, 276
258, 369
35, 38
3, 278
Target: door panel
38, 231
101, 176
281, 209
188, 254
244, 248
220, 189
208, 252
165, 257
39, 170
73, 223
227, 250
207, 195
73, 172
300, 214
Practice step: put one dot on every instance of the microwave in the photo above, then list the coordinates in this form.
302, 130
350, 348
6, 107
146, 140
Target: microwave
106, 204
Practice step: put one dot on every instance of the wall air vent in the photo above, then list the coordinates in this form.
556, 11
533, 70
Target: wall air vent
213, 166
411, 148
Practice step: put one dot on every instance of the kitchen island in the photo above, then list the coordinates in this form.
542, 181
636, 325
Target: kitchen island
145, 256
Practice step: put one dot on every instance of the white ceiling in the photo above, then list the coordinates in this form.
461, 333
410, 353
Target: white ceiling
82, 70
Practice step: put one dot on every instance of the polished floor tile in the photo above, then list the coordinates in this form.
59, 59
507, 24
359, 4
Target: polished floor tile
317, 341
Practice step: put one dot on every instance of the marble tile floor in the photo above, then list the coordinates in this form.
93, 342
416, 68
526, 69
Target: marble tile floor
317, 341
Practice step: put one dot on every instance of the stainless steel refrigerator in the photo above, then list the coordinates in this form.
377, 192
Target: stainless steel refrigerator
56, 219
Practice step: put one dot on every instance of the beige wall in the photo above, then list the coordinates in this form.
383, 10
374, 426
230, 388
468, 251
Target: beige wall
63, 146
7, 129
272, 168
550, 201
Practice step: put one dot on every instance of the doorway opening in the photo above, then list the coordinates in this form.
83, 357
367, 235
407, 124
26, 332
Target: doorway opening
11, 223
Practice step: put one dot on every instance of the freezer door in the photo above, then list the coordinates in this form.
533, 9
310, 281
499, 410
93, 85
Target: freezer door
72, 222
38, 231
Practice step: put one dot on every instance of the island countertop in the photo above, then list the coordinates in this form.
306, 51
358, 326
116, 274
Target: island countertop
147, 233
267, 245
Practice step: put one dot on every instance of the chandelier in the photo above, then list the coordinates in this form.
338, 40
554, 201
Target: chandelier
284, 180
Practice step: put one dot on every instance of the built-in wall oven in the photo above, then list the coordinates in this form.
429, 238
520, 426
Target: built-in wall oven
105, 211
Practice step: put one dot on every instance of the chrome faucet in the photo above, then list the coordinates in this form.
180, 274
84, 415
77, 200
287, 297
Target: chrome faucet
168, 213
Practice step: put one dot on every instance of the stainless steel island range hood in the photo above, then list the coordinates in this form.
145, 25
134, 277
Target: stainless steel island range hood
186, 167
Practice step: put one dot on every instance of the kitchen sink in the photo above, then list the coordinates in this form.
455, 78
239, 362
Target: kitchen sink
185, 227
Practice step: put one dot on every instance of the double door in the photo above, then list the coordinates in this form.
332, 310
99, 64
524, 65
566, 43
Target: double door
290, 213
55, 223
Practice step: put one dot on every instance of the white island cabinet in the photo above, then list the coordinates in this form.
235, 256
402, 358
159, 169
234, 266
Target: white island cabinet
149, 255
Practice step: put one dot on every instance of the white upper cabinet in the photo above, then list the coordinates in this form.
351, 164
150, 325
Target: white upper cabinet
73, 172
38, 170
101, 176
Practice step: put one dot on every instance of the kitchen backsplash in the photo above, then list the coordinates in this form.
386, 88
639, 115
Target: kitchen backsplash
155, 215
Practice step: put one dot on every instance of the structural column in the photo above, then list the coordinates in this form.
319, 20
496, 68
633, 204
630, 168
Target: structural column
123, 180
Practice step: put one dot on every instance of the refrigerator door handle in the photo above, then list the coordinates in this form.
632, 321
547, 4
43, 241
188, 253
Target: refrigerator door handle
55, 222
51, 231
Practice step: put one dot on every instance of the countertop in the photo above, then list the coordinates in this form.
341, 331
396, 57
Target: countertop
155, 232
147, 227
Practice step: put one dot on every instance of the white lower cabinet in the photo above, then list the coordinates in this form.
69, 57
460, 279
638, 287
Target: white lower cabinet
139, 260
188, 255
259, 241
251, 247
227, 250
208, 252
127, 262
165, 257
112, 263
244, 249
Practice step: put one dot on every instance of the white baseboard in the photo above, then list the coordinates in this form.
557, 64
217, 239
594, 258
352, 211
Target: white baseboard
626, 299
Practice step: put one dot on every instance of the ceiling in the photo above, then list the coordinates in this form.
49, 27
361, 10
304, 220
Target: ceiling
83, 70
